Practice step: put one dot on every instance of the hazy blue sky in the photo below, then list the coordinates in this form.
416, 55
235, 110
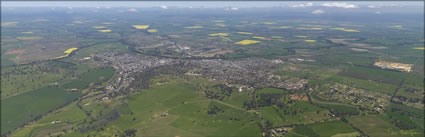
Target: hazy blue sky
187, 4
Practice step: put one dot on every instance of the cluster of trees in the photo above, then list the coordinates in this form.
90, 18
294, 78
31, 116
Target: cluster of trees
214, 110
219, 91
130, 133
283, 102
265, 127
248, 105
399, 114
20, 78
142, 79
406, 99
264, 100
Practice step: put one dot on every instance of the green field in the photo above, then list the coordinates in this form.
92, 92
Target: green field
187, 114
374, 126
66, 116
271, 91
311, 74
336, 107
406, 117
28, 106
364, 84
326, 129
23, 78
95, 76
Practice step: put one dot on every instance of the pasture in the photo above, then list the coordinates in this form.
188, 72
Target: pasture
187, 114
326, 129
28, 106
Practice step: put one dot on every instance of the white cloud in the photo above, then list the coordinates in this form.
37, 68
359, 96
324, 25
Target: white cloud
340, 5
319, 11
164, 7
302, 5
132, 10
378, 12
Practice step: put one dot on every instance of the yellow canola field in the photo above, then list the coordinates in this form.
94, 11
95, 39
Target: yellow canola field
258, 37
219, 34
396, 26
247, 33
152, 30
141, 26
420, 48
105, 30
246, 42
99, 27
311, 41
28, 32
67, 52
347, 30
194, 27
269, 23
28, 38
300, 36
281, 27
70, 50
310, 28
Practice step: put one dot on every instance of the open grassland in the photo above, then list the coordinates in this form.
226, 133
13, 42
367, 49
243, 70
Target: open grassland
187, 114
287, 112
406, 117
97, 49
7, 60
308, 113
374, 126
93, 76
61, 118
239, 98
271, 91
326, 129
21, 79
175, 108
337, 108
364, 84
28, 106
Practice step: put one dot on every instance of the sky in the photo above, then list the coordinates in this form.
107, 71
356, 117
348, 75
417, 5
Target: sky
207, 4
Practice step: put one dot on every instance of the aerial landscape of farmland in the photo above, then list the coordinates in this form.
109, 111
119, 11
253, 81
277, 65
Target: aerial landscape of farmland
212, 69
